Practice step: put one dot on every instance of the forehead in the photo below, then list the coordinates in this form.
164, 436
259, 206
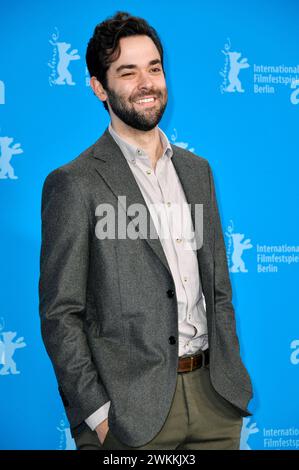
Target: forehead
137, 50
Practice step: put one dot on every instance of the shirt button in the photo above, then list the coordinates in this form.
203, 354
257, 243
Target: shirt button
185, 279
168, 204
139, 151
149, 172
178, 240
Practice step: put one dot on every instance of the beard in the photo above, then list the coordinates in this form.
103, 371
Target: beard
143, 120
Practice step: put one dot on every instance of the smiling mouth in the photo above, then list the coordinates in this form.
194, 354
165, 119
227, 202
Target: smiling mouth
146, 102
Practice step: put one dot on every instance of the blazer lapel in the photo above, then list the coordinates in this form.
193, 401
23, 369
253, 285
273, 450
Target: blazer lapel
114, 169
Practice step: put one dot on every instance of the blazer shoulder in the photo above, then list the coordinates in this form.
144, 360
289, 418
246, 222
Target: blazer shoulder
192, 157
75, 169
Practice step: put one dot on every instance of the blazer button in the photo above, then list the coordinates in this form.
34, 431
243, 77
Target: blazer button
171, 340
170, 292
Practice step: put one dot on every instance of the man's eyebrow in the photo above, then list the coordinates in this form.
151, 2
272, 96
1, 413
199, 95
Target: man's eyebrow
133, 66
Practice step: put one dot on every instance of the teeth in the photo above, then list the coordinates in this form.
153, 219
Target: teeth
145, 100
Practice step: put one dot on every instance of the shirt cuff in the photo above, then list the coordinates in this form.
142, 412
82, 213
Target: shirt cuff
98, 416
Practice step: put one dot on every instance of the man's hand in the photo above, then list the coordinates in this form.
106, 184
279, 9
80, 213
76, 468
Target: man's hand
102, 430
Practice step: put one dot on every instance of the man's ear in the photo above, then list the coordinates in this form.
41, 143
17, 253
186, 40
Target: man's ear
98, 90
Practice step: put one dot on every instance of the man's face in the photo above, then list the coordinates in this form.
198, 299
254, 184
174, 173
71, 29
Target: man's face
137, 74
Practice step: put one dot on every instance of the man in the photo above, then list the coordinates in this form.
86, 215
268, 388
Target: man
140, 329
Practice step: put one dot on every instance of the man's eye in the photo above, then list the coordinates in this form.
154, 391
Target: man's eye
155, 69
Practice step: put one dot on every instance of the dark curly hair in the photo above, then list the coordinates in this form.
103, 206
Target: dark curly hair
103, 47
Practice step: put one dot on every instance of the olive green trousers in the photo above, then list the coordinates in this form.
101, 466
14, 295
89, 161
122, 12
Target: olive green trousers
199, 418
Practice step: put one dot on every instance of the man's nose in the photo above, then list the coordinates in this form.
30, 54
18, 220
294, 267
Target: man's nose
145, 81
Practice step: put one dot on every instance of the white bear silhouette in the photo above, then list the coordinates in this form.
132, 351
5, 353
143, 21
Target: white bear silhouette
247, 429
7, 350
64, 60
6, 155
238, 248
235, 66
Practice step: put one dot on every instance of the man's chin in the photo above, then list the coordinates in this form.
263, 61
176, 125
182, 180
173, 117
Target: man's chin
143, 126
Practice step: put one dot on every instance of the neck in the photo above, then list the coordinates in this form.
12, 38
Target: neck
149, 141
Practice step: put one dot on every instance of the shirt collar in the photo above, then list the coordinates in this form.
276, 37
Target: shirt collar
131, 151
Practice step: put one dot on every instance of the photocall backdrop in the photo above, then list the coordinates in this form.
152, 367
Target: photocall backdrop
232, 71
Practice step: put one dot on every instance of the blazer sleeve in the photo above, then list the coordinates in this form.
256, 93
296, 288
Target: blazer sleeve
64, 263
224, 309
222, 285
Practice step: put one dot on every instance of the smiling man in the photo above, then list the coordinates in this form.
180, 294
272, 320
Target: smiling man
133, 90
140, 329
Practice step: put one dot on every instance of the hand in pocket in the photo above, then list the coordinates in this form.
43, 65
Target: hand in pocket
102, 430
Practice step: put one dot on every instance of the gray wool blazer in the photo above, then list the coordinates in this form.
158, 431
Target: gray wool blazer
108, 321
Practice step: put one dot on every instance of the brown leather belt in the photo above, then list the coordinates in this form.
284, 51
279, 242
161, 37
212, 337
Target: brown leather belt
189, 363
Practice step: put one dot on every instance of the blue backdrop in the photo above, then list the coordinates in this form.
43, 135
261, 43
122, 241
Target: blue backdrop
233, 81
